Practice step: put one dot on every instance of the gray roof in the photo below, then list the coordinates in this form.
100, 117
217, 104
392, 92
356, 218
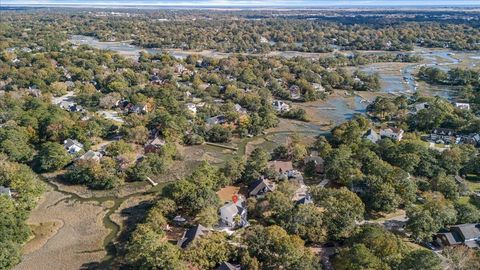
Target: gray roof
228, 266
305, 200
260, 186
191, 234
232, 209
91, 154
467, 231
69, 143
5, 190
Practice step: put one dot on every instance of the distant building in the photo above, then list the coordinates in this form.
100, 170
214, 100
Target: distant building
228, 266
154, 145
463, 234
5, 191
92, 155
443, 135
261, 187
72, 146
239, 109
234, 214
280, 106
295, 92
307, 199
191, 235
395, 134
462, 106
192, 108
217, 120
372, 136
317, 160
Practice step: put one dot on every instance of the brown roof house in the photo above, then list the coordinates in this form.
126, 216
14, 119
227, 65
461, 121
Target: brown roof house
154, 145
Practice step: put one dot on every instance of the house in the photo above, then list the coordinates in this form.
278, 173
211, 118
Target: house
217, 120
5, 191
138, 108
191, 235
395, 134
72, 146
239, 109
180, 69
372, 136
295, 92
228, 266
443, 135
155, 79
307, 199
462, 106
280, 106
234, 214
192, 108
154, 145
318, 87
261, 187
463, 234
473, 139
281, 166
420, 106
317, 160
92, 155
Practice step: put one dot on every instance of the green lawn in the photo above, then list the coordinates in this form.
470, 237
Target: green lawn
473, 182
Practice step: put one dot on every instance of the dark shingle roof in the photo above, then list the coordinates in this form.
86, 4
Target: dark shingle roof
192, 234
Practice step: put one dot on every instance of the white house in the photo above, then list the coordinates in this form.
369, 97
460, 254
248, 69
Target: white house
234, 214
462, 106
395, 134
72, 146
192, 108
280, 106
5, 191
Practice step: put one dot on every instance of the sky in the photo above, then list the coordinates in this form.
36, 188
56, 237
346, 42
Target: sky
247, 2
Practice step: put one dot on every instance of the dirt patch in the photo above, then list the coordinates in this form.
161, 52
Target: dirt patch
225, 194
77, 240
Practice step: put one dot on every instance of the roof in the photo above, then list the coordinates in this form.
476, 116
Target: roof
191, 234
467, 231
452, 239
393, 130
157, 142
443, 131
5, 190
260, 186
305, 200
281, 166
91, 155
69, 143
232, 209
227, 266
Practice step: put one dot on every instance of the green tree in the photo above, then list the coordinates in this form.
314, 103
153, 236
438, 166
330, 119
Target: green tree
52, 156
208, 216
148, 249
10, 254
209, 251
275, 249
426, 219
342, 209
421, 259
358, 257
